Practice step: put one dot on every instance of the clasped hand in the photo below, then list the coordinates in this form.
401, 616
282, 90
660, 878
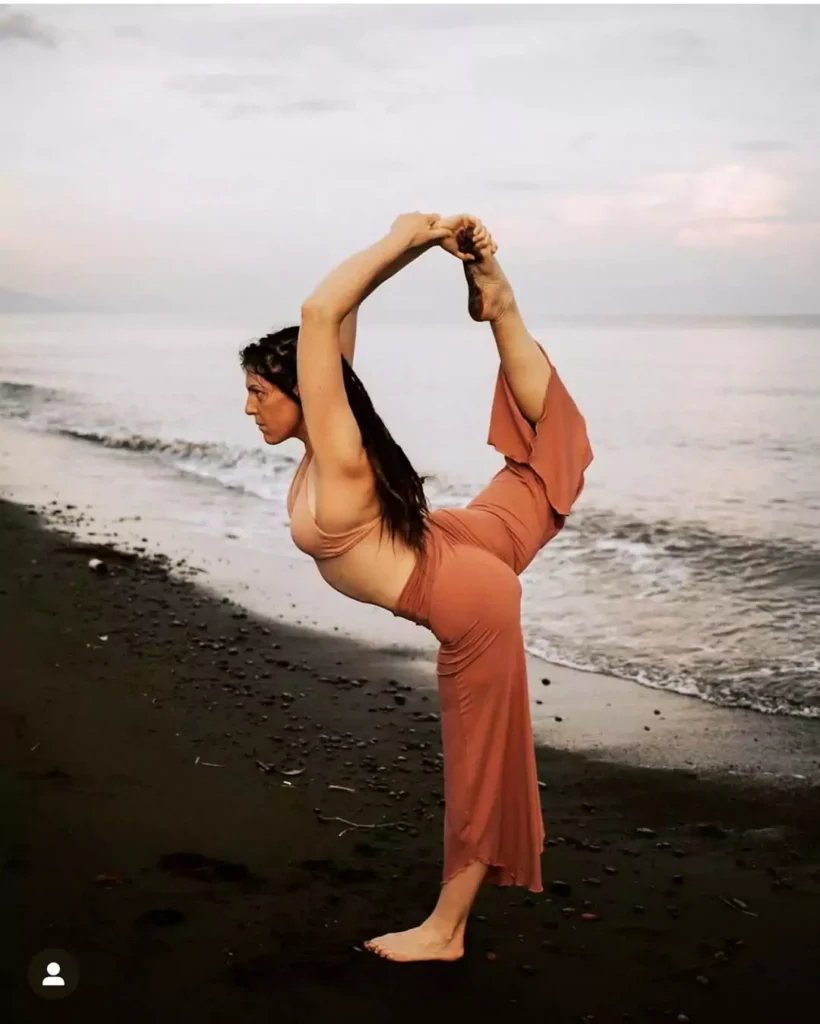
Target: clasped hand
462, 235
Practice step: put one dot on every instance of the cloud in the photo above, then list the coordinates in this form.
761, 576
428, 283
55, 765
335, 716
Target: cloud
718, 206
242, 110
16, 26
225, 83
248, 95
764, 146
131, 32
517, 186
315, 105
683, 48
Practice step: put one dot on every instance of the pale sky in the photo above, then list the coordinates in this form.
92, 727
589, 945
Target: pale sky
222, 159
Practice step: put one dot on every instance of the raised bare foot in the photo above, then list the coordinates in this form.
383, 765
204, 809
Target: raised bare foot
490, 294
422, 943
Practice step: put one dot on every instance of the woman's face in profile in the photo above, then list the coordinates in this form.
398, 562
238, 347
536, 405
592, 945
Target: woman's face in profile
276, 415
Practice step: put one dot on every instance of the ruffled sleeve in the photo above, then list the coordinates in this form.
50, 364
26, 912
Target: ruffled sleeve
557, 448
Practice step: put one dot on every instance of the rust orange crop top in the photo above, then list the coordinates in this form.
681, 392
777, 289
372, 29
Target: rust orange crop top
307, 536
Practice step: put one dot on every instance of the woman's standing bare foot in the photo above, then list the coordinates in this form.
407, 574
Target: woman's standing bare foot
441, 936
423, 943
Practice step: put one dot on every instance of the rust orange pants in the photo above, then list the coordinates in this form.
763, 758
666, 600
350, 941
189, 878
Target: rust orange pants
465, 589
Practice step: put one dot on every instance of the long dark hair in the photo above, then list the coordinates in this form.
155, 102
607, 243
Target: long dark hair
399, 487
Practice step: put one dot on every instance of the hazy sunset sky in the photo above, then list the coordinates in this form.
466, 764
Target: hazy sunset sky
222, 159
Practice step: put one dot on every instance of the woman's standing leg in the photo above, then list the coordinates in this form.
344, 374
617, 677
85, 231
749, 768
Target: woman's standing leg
493, 827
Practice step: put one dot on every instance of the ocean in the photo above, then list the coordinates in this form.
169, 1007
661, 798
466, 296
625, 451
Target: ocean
692, 560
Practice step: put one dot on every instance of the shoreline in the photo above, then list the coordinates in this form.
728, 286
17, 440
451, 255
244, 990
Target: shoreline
154, 510
150, 831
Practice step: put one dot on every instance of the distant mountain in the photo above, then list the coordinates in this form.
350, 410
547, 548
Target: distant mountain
22, 302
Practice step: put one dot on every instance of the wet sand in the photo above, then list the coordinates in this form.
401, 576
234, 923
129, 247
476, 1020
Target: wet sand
148, 828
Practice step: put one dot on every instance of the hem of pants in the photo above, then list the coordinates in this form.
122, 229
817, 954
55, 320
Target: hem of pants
497, 874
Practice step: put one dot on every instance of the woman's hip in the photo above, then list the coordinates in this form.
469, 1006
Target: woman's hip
456, 588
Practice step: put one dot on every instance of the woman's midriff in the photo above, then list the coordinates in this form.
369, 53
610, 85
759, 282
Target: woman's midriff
376, 571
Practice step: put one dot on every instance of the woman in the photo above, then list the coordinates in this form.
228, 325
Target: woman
358, 507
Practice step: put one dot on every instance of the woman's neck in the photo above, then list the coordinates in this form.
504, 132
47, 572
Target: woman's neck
302, 434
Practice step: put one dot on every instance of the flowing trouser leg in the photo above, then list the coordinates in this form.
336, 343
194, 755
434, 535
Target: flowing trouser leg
492, 805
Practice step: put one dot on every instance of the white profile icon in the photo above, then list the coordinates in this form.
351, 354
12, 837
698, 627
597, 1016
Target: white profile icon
53, 970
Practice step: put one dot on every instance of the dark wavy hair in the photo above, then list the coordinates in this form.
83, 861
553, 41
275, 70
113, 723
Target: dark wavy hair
399, 488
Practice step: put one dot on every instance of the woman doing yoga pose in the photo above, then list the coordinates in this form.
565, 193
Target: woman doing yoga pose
358, 508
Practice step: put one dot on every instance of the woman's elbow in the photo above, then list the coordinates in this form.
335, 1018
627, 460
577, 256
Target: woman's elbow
315, 309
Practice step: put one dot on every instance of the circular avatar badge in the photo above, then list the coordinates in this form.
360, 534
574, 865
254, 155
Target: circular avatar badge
53, 973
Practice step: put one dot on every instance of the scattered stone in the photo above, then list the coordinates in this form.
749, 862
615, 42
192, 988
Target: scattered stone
710, 830
771, 834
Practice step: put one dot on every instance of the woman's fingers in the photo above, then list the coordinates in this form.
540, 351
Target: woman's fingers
460, 221
468, 231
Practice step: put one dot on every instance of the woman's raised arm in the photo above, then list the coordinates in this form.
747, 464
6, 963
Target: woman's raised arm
332, 428
352, 281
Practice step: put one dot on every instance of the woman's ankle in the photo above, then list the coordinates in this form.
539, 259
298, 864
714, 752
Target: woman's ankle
448, 928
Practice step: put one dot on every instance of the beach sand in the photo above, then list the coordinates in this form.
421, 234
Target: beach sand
148, 829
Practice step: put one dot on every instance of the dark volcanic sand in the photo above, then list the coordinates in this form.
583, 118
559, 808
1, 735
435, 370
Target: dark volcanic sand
207, 894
